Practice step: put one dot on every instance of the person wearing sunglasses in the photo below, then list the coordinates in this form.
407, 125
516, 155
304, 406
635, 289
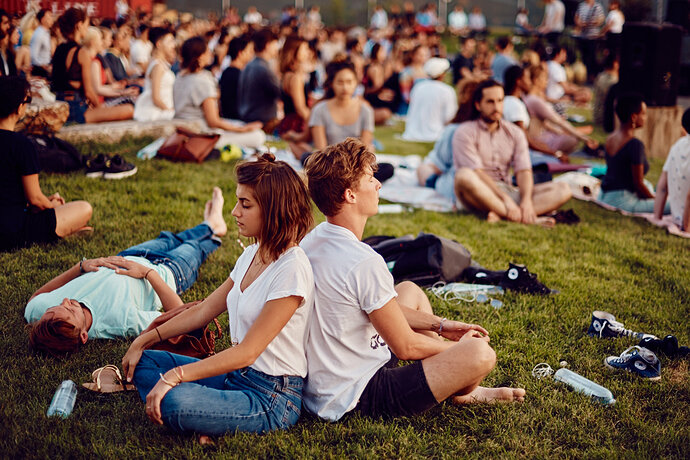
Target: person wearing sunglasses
27, 215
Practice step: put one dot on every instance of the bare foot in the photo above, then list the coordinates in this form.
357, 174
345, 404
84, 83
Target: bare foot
545, 221
483, 395
205, 440
83, 231
213, 213
586, 130
492, 217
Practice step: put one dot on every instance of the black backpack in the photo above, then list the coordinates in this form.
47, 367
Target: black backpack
56, 155
425, 259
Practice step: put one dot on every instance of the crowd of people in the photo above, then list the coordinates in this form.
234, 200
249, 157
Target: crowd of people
293, 313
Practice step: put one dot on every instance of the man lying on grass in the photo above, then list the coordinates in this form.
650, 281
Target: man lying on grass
361, 320
119, 296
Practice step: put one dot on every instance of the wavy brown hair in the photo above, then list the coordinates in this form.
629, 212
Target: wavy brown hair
335, 169
284, 202
288, 53
53, 337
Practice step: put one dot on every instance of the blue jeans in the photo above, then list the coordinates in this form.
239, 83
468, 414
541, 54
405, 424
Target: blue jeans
630, 202
183, 253
243, 400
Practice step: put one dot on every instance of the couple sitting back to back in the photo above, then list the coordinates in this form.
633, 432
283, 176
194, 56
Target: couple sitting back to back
344, 325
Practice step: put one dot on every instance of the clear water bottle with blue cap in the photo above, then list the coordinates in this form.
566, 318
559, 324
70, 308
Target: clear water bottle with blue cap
63, 400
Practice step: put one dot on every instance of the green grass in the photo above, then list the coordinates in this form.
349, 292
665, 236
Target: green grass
608, 262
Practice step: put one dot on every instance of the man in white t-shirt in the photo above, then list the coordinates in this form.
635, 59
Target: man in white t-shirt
674, 183
457, 21
559, 87
554, 20
554, 17
360, 317
433, 104
40, 45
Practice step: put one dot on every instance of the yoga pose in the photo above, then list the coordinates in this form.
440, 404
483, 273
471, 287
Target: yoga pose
362, 324
119, 296
256, 385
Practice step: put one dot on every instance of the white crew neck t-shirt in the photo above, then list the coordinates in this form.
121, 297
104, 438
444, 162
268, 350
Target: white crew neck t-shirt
557, 75
515, 110
344, 350
290, 275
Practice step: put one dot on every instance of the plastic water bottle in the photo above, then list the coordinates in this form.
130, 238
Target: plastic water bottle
584, 386
63, 400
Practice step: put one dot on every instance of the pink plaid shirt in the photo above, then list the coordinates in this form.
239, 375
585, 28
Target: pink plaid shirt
475, 147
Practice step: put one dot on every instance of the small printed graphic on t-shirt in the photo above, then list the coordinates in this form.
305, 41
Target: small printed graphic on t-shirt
376, 342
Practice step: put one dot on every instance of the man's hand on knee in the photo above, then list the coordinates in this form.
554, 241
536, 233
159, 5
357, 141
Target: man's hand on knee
513, 211
528, 214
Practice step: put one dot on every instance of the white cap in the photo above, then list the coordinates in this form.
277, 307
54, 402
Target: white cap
435, 67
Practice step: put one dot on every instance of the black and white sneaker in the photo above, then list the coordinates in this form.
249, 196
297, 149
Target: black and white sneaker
117, 168
517, 278
95, 166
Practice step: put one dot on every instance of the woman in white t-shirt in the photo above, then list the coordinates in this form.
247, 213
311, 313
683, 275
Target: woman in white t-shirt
255, 385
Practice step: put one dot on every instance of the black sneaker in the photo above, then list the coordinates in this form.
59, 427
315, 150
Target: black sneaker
95, 166
518, 278
565, 217
668, 345
480, 275
117, 168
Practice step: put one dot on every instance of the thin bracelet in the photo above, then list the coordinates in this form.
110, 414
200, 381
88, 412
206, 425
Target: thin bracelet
147, 274
174, 369
172, 385
440, 325
81, 267
160, 339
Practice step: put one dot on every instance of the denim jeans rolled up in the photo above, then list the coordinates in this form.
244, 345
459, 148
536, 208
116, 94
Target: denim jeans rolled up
242, 400
182, 252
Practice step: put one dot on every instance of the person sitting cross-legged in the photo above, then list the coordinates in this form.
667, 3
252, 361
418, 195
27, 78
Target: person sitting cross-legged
362, 324
120, 296
28, 216
484, 149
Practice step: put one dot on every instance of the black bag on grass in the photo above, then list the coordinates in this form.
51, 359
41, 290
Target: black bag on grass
56, 155
425, 259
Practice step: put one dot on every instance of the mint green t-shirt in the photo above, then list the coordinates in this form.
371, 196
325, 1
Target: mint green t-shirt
121, 306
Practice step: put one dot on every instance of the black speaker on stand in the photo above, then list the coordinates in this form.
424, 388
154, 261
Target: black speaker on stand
650, 61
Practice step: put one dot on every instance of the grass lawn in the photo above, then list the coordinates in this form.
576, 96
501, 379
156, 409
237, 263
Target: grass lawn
607, 262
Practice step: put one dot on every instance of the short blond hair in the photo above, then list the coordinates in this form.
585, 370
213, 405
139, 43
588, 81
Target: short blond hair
92, 33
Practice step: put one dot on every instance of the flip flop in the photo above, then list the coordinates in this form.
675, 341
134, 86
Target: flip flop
107, 379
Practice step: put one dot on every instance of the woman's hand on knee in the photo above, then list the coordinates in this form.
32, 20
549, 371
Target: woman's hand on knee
153, 401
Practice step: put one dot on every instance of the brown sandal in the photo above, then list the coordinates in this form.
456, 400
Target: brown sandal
107, 379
